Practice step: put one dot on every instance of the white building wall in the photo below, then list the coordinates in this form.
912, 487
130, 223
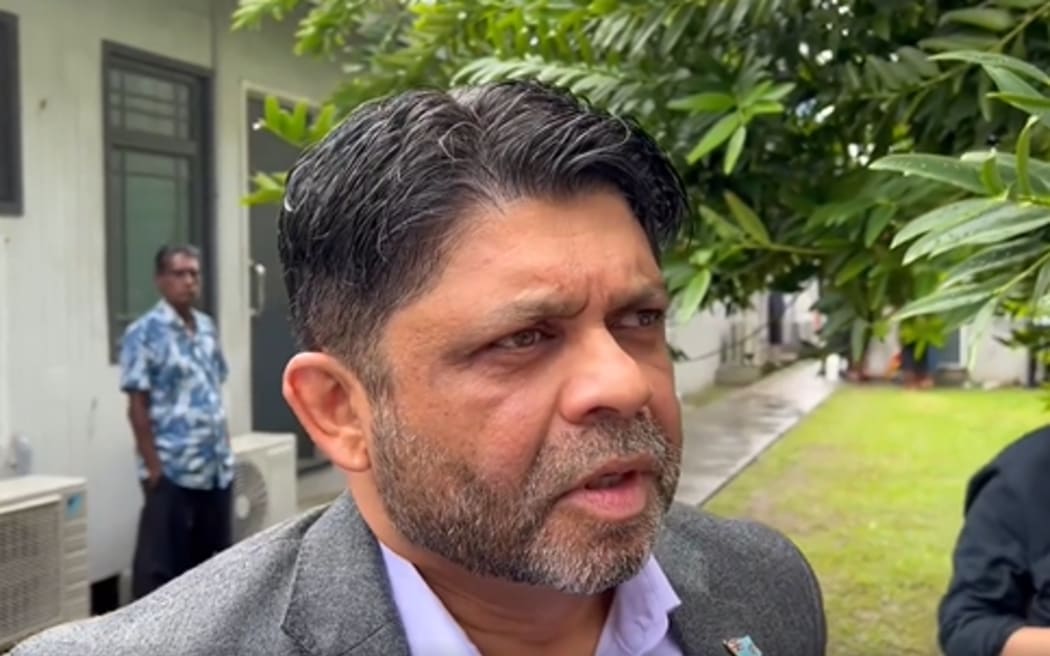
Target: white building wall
995, 362
62, 390
703, 337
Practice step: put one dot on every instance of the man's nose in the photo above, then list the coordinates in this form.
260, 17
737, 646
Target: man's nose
603, 380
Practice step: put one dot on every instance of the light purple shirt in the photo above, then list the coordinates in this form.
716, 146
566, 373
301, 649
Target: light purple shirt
638, 623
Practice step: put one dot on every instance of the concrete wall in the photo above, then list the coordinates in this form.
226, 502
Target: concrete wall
702, 340
995, 363
64, 397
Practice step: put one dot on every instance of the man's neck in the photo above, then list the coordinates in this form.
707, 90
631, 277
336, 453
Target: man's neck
185, 312
507, 618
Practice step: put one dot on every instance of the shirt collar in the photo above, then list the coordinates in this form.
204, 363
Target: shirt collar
638, 620
167, 313
429, 627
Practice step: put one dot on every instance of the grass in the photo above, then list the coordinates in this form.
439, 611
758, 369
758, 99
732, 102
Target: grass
871, 486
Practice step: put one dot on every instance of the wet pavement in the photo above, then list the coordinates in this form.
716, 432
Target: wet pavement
725, 436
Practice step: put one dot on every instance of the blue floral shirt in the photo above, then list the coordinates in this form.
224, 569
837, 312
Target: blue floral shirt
183, 373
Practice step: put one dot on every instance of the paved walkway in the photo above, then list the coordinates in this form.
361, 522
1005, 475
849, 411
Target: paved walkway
728, 434
721, 438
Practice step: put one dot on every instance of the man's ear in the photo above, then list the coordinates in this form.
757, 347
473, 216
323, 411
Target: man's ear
332, 406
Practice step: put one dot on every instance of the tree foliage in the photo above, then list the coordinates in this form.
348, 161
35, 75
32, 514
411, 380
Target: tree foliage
1001, 228
773, 111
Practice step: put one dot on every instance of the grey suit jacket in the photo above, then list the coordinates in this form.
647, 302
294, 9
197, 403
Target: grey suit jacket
316, 586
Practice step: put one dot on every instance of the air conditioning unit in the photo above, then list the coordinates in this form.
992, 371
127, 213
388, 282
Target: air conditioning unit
43, 555
264, 483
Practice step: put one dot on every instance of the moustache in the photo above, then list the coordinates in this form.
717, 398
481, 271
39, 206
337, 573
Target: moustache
571, 457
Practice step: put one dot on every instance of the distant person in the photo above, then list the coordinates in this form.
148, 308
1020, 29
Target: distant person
474, 279
998, 601
172, 369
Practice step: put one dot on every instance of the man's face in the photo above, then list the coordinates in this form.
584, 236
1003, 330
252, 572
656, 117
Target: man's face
180, 282
532, 430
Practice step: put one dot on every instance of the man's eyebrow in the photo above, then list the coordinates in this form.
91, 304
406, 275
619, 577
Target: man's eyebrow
534, 307
651, 293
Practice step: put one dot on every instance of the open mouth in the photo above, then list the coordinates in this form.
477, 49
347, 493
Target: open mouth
607, 481
617, 491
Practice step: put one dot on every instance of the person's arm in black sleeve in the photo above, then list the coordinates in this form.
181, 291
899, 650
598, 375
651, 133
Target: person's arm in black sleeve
987, 599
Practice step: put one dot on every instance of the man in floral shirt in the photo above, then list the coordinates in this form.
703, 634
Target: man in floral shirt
172, 370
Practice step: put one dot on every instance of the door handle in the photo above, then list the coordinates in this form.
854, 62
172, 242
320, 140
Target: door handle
259, 279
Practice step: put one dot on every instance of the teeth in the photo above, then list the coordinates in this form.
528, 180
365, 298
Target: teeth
607, 481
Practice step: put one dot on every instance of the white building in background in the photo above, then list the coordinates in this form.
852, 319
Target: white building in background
125, 124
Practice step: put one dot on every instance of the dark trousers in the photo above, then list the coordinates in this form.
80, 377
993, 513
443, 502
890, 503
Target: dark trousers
179, 528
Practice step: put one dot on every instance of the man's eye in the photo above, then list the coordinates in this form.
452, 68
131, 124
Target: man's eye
643, 319
521, 340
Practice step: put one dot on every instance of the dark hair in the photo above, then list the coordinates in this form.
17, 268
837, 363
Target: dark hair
166, 252
370, 210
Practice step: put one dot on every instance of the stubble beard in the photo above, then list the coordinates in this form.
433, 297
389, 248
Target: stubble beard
494, 528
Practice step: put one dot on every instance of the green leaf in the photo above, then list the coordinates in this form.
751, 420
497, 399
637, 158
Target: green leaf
263, 197
695, 291
677, 274
747, 219
1005, 256
721, 225
676, 30
736, 146
714, 137
710, 102
919, 62
1020, 4
877, 222
853, 268
993, 20
269, 190
998, 224
1024, 144
990, 177
296, 129
944, 300
945, 217
778, 92
322, 124
274, 117
1036, 105
1042, 284
958, 43
765, 107
858, 335
1039, 170
701, 258
995, 60
950, 170
977, 329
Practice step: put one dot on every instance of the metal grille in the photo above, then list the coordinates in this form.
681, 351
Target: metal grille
250, 499
30, 570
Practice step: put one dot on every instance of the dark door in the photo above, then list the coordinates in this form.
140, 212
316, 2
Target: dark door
951, 356
272, 343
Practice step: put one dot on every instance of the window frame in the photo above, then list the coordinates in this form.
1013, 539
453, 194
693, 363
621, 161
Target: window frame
11, 110
197, 148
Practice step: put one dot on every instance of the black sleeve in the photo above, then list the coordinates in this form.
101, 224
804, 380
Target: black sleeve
991, 585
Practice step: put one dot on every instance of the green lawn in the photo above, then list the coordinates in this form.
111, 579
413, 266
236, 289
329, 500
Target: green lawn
870, 486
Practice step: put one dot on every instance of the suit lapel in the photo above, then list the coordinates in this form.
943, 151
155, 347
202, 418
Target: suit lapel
340, 602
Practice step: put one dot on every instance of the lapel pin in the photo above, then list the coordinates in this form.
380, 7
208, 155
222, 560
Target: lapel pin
742, 647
